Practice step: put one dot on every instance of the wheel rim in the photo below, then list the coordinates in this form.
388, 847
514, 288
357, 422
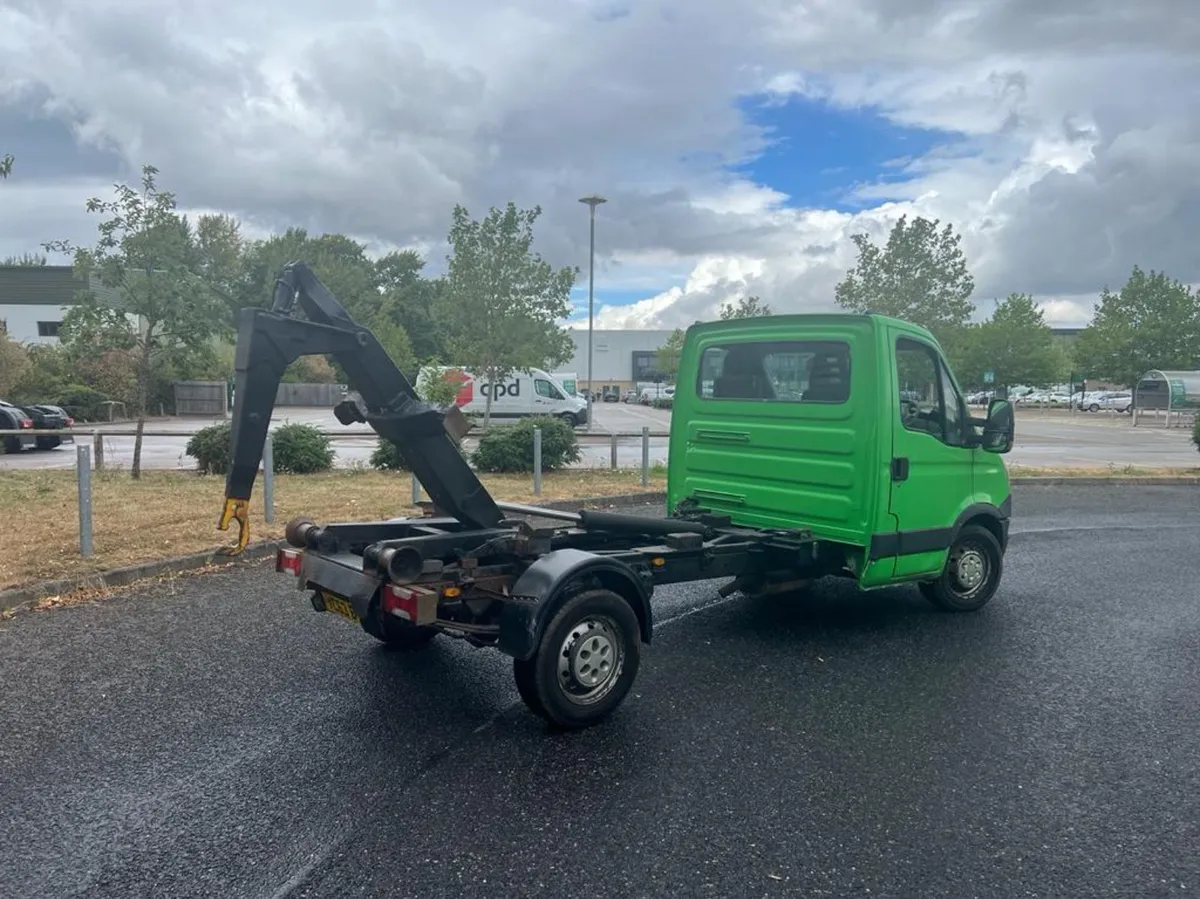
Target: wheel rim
970, 569
589, 660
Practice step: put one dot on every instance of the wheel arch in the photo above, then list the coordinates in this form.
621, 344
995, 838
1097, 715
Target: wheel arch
994, 518
546, 584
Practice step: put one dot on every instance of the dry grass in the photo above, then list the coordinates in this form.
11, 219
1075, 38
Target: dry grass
1111, 471
168, 514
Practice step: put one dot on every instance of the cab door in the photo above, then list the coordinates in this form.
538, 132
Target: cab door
932, 468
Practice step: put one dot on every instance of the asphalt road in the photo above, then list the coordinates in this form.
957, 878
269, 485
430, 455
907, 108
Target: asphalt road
221, 739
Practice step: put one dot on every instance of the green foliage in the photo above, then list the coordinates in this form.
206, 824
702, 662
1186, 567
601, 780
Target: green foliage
919, 276
301, 449
28, 260
81, 402
510, 448
503, 304
144, 253
661, 402
410, 299
1196, 433
666, 360
14, 364
746, 307
1015, 343
1151, 322
212, 448
6, 165
437, 387
386, 457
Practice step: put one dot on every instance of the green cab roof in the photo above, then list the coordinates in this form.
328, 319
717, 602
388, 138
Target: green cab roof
800, 320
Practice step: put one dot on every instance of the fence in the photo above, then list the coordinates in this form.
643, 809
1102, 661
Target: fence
209, 398
89, 455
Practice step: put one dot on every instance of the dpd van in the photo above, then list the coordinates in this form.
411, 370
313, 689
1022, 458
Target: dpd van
521, 395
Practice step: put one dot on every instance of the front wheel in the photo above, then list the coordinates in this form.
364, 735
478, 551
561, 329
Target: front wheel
585, 663
972, 573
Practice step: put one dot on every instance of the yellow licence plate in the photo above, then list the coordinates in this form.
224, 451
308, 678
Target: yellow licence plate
340, 606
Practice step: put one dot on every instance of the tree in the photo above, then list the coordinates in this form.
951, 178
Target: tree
503, 304
920, 276
1151, 322
746, 307
14, 362
411, 299
1015, 343
26, 259
6, 165
666, 360
144, 256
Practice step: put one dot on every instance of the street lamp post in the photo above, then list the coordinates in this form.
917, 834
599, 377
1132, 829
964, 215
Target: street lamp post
592, 202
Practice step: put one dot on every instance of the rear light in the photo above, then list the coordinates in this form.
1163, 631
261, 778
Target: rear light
410, 603
70, 422
288, 560
27, 423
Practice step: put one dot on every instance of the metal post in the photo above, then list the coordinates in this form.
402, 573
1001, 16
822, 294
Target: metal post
614, 452
416, 490
83, 477
645, 455
98, 449
537, 461
592, 202
269, 480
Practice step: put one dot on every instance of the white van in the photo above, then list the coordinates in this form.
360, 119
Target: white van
521, 395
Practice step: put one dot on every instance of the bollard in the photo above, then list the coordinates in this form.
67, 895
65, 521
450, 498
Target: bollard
416, 490
269, 480
537, 461
98, 449
645, 456
83, 476
614, 452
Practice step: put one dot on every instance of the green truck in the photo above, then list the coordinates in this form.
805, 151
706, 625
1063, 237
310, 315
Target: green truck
801, 447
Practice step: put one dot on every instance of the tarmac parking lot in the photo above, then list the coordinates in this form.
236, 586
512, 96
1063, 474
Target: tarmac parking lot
213, 736
1045, 438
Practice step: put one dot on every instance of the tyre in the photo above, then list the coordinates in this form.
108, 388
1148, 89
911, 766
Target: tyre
585, 663
396, 633
49, 443
972, 574
570, 418
1094, 407
12, 445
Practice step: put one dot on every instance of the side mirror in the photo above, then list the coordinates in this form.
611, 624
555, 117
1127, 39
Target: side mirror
999, 429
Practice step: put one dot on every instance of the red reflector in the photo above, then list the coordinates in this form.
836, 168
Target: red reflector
399, 601
288, 560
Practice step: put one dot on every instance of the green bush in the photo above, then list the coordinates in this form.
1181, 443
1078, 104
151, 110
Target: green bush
510, 448
1196, 432
661, 402
81, 402
212, 448
387, 458
301, 449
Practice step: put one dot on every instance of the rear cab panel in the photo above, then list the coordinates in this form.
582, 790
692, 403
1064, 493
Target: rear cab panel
775, 423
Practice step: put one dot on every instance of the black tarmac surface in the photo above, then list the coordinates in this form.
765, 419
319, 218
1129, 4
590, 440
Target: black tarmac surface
219, 738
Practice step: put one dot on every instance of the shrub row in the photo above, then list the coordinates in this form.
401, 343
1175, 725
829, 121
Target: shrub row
303, 449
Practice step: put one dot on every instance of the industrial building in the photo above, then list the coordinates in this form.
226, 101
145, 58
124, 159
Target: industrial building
619, 358
34, 299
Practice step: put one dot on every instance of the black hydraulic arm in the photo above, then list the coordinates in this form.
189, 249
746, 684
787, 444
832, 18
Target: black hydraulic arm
268, 341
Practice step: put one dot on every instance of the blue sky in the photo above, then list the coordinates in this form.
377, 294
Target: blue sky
818, 155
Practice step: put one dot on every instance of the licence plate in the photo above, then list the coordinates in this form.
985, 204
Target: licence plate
341, 607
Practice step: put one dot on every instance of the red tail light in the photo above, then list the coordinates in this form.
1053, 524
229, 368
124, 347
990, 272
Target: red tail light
288, 560
412, 604
70, 422
27, 423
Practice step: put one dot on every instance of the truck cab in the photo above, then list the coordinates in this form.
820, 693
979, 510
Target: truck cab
853, 427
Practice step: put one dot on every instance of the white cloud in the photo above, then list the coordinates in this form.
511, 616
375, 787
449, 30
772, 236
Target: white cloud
1078, 152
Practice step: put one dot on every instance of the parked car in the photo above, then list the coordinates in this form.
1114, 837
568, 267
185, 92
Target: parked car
47, 417
1121, 401
13, 418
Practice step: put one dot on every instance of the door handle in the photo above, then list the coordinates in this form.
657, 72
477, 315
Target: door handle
900, 468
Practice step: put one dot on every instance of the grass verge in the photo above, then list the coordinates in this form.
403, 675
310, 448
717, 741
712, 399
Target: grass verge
168, 514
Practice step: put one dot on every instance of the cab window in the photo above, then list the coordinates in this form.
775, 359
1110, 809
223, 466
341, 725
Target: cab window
928, 399
793, 371
546, 389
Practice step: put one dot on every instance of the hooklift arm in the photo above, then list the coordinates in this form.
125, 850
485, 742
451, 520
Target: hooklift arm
269, 341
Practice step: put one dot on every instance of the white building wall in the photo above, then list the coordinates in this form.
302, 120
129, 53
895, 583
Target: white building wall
21, 321
612, 353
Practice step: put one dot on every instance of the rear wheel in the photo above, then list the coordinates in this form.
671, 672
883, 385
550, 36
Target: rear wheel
12, 445
972, 574
586, 661
569, 418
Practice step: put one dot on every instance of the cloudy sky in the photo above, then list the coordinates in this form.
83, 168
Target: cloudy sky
738, 144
